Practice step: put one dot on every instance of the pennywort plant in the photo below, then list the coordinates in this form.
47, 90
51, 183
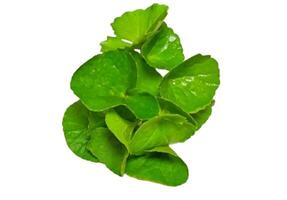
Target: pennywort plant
128, 115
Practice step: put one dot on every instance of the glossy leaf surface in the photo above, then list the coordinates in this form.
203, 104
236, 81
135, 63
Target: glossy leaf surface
192, 85
163, 50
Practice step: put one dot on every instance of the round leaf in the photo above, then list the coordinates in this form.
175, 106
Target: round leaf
102, 81
192, 84
161, 131
163, 50
158, 167
137, 25
76, 123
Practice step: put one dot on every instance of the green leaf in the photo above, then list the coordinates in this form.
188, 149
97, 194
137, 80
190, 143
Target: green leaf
105, 146
106, 81
76, 123
125, 113
143, 105
113, 43
162, 149
192, 84
167, 107
161, 131
121, 128
102, 82
158, 167
202, 116
163, 50
148, 79
137, 25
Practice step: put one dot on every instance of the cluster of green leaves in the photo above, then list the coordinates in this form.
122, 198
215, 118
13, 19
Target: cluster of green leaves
128, 114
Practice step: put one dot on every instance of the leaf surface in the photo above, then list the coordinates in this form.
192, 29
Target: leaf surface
167, 107
121, 128
192, 85
202, 116
144, 105
102, 81
105, 81
105, 146
163, 50
161, 168
161, 131
137, 25
76, 123
148, 79
113, 43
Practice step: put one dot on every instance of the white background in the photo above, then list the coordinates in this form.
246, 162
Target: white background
241, 153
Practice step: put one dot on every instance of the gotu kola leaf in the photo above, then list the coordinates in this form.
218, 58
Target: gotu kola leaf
163, 168
136, 26
104, 82
192, 84
77, 122
128, 114
167, 107
105, 146
148, 79
163, 50
121, 128
161, 131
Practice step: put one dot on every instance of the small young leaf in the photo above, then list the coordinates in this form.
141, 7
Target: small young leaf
113, 43
160, 131
163, 50
161, 168
192, 84
137, 25
121, 128
148, 79
76, 123
105, 146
